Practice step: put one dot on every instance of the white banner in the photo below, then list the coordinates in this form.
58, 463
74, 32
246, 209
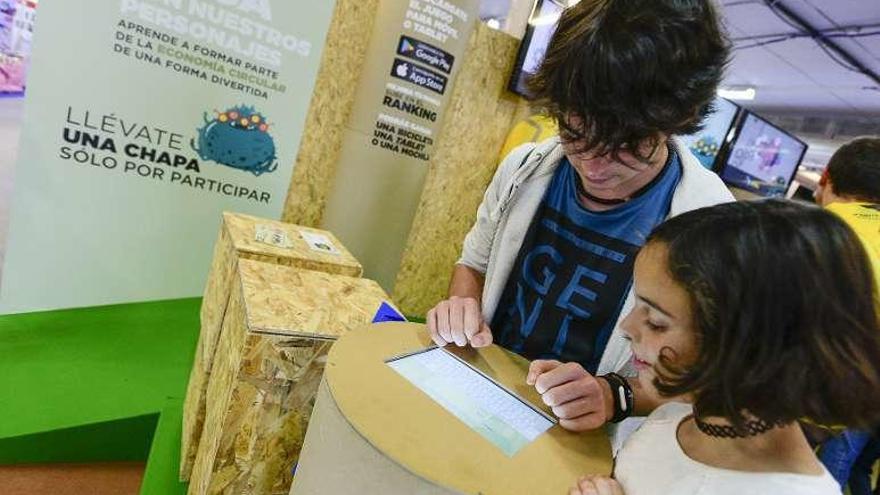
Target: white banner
411, 65
144, 119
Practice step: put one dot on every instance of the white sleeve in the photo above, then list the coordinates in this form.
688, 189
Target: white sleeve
478, 242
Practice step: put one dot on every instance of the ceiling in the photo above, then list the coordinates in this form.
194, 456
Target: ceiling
795, 73
790, 71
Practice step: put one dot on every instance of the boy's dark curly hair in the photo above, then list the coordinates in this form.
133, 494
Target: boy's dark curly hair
629, 70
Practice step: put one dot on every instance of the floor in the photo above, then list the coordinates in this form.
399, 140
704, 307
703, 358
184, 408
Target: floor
116, 478
10, 125
66, 369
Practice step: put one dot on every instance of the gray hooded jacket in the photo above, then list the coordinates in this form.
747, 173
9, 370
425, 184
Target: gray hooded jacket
512, 200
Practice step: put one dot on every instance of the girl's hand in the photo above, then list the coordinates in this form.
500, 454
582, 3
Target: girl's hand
597, 485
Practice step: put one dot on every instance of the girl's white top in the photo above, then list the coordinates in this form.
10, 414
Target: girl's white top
652, 462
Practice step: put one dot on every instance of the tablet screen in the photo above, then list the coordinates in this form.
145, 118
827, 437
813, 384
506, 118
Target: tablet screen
498, 415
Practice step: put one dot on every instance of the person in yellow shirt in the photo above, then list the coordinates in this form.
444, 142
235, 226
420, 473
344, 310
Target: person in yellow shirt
850, 188
534, 129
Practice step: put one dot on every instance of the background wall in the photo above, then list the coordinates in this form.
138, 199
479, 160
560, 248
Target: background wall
341, 67
481, 114
124, 168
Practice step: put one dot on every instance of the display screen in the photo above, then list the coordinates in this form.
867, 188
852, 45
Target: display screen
707, 143
16, 31
763, 159
542, 25
498, 415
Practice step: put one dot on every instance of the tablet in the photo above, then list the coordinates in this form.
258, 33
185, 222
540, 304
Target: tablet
497, 414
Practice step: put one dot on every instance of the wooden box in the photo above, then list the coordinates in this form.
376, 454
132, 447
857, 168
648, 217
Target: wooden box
237, 240
273, 344
246, 237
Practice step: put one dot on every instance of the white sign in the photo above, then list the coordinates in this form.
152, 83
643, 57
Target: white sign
320, 242
144, 120
272, 236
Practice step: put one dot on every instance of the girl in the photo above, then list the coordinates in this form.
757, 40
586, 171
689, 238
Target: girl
749, 316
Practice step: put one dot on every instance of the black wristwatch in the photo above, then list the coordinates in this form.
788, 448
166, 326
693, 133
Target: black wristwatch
622, 394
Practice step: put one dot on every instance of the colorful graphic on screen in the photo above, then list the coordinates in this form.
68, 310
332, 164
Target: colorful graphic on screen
16, 31
542, 25
706, 143
763, 158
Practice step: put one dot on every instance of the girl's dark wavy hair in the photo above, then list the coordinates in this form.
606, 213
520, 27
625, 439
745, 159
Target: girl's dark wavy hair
785, 306
631, 69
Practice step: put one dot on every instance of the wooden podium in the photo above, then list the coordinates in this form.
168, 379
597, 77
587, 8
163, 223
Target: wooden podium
238, 240
373, 432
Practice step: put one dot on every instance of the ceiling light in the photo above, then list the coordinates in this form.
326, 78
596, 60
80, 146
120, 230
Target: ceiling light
551, 18
546, 19
746, 93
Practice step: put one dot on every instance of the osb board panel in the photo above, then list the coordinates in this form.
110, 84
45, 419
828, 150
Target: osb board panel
337, 81
302, 303
279, 300
237, 240
432, 443
242, 230
261, 386
480, 115
216, 295
267, 418
221, 385
214, 302
193, 415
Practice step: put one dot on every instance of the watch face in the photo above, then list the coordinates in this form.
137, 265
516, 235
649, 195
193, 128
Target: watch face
621, 395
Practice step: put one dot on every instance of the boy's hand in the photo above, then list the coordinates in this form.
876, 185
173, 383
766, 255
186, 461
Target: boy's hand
580, 400
597, 485
458, 321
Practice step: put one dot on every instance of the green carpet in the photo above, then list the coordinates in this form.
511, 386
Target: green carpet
83, 366
98, 384
160, 477
127, 439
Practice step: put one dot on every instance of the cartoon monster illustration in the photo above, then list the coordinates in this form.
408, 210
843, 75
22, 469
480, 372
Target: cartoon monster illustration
706, 146
706, 149
237, 138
